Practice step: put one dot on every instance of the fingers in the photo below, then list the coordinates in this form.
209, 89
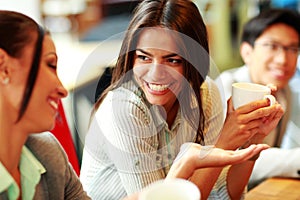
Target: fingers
253, 106
257, 152
197, 156
219, 157
275, 115
250, 152
230, 106
261, 147
265, 112
257, 148
272, 87
210, 156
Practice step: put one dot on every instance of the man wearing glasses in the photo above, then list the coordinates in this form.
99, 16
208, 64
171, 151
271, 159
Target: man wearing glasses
269, 48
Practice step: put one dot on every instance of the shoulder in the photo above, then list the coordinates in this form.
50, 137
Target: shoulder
42, 140
47, 150
213, 104
209, 89
60, 178
237, 74
128, 93
211, 96
127, 100
227, 77
209, 84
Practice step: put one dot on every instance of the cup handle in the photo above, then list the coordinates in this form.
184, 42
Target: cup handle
271, 98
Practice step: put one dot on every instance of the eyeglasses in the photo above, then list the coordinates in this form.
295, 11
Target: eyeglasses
274, 48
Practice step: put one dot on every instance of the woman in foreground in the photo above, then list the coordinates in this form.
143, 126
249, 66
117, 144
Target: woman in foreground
33, 165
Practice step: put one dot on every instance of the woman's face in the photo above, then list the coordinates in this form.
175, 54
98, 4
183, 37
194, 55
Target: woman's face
42, 108
157, 67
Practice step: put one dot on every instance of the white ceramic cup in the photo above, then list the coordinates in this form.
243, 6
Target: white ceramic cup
243, 93
172, 189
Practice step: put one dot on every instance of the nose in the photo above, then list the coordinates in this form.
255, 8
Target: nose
157, 71
281, 55
61, 90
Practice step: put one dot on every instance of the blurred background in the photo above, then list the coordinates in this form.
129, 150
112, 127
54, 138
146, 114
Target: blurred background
88, 34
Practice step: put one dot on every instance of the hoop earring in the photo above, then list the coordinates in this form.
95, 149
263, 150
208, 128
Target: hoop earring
5, 81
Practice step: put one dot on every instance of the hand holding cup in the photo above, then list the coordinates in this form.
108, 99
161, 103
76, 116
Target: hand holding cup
244, 93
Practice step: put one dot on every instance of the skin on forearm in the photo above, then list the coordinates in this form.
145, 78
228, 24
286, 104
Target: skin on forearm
238, 177
205, 179
184, 168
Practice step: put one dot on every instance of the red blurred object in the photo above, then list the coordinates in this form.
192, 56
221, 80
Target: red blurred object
63, 134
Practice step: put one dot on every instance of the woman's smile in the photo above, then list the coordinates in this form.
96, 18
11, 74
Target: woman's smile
157, 89
53, 103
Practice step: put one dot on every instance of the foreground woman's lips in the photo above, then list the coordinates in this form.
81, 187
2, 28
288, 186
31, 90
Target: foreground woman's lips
54, 104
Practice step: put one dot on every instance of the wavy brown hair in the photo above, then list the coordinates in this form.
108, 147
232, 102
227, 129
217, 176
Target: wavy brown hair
183, 17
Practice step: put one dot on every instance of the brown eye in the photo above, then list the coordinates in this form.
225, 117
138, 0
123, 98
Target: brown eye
174, 61
142, 57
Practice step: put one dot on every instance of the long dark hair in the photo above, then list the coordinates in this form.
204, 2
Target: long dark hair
181, 16
16, 32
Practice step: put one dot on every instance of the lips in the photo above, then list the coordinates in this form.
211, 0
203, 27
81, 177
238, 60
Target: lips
279, 74
158, 87
53, 103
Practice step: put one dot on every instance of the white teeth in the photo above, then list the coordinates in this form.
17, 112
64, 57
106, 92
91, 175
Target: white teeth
53, 104
280, 72
158, 88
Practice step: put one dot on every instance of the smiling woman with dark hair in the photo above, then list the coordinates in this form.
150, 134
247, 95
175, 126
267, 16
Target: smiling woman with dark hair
33, 165
161, 98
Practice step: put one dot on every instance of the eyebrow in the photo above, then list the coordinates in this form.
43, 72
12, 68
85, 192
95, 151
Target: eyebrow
149, 54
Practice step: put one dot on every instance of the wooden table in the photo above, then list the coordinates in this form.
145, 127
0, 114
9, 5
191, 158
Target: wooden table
275, 189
